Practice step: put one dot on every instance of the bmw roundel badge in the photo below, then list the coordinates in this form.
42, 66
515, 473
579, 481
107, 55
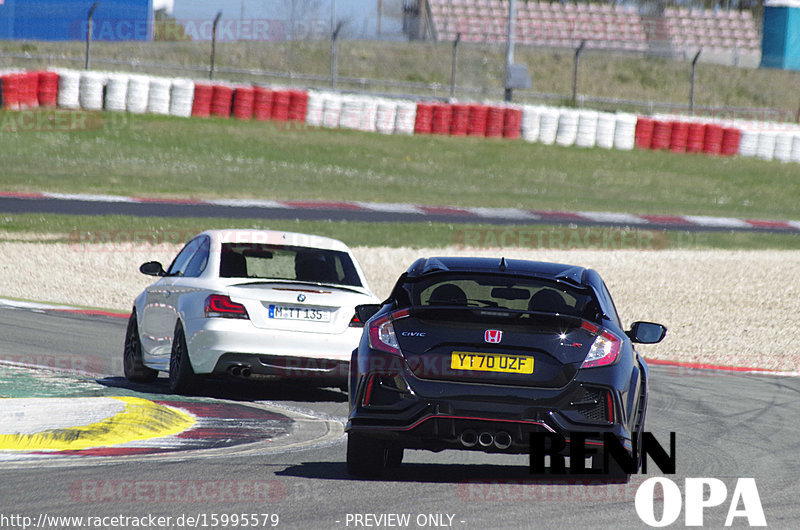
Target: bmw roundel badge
301, 297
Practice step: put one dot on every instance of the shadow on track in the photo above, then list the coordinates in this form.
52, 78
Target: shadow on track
238, 390
442, 474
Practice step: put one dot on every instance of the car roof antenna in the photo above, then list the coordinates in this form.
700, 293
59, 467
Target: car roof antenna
502, 264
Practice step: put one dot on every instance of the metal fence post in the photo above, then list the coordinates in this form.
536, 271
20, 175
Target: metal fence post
575, 72
88, 63
691, 87
454, 67
334, 54
214, 45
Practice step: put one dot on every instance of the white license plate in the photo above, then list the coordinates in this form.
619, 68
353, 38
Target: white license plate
284, 312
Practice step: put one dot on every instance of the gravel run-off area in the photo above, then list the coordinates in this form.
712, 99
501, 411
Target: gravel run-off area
736, 308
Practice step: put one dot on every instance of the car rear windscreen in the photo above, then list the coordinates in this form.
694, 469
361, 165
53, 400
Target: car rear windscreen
503, 292
284, 262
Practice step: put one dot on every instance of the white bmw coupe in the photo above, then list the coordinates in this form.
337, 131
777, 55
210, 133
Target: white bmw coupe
248, 304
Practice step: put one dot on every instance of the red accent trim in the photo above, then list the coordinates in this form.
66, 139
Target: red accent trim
548, 214
368, 391
704, 366
167, 200
667, 219
21, 195
445, 210
93, 312
768, 224
610, 406
323, 205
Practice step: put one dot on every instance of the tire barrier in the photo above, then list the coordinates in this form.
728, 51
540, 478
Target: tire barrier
386, 116
712, 143
606, 125
766, 145
298, 105
243, 100
137, 96
262, 103
731, 137
783, 146
548, 126
679, 138
47, 89
459, 123
281, 101
134, 93
221, 101
12, 86
315, 108
68, 89
587, 128
748, 143
180, 98
424, 120
477, 120
406, 117
441, 116
644, 133
512, 123
695, 137
158, 95
531, 116
625, 132
116, 92
494, 122
92, 85
201, 104
331, 111
567, 128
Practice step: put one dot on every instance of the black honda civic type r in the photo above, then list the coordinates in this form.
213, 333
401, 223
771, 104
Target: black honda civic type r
478, 353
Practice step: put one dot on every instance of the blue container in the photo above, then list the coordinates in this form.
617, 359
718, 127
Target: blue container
113, 20
780, 41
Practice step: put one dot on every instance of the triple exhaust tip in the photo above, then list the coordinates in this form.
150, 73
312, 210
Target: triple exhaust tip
470, 438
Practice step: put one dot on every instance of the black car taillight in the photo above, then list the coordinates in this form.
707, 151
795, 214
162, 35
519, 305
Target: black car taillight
381, 333
221, 306
605, 348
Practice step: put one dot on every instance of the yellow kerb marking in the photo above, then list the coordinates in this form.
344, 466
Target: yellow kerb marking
141, 420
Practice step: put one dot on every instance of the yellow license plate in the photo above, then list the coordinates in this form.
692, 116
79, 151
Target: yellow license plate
491, 362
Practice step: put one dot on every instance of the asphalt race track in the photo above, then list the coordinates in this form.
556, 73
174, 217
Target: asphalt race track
79, 204
727, 426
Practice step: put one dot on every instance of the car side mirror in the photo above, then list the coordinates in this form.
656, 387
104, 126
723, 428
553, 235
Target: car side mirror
366, 311
647, 332
152, 268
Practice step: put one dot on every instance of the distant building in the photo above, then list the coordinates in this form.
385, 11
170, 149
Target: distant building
113, 20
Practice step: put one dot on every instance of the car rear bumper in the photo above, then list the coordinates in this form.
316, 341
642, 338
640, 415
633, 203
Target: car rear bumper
426, 414
216, 343
250, 366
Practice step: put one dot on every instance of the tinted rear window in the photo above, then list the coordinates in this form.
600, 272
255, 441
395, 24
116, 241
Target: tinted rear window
283, 262
522, 294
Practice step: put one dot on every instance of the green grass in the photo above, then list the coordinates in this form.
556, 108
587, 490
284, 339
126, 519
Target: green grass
82, 230
165, 156
480, 68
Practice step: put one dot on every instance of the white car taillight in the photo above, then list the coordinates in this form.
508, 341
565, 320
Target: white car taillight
221, 306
